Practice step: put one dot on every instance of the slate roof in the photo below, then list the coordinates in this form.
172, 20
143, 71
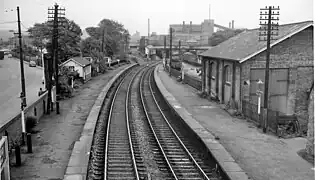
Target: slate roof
246, 45
80, 60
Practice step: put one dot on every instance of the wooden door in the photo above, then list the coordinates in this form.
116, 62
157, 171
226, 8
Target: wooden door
278, 88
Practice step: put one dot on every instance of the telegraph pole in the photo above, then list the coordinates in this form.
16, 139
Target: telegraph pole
179, 44
165, 46
272, 30
23, 93
171, 34
56, 12
103, 36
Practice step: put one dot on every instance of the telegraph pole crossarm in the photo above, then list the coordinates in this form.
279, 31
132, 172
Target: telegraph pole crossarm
268, 36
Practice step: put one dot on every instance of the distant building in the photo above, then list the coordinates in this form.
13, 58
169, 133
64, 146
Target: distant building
200, 33
135, 38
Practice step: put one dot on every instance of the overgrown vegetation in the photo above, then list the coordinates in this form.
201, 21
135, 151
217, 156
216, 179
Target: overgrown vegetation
109, 35
68, 41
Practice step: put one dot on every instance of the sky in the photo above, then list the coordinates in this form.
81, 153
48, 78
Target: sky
134, 14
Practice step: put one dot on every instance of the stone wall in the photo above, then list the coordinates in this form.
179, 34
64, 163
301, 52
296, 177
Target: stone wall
310, 131
14, 126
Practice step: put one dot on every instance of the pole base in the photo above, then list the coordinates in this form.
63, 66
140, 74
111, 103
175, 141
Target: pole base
29, 142
57, 108
18, 155
23, 139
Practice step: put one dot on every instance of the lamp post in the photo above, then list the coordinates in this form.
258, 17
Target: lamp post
259, 93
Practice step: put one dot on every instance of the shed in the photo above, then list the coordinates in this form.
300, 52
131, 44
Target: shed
232, 68
81, 65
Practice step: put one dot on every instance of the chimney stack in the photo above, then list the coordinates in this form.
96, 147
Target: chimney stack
183, 26
229, 24
190, 26
232, 24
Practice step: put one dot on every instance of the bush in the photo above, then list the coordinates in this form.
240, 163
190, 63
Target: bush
30, 123
202, 94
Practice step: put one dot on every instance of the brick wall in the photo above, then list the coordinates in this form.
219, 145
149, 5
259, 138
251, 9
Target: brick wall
293, 53
211, 67
305, 78
238, 88
310, 131
14, 127
213, 77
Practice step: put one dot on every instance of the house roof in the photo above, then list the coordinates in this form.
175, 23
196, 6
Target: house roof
246, 44
80, 60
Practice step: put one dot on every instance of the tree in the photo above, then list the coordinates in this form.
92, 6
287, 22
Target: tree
221, 36
39, 33
68, 40
114, 33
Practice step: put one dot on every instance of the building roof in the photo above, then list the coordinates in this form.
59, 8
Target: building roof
246, 44
80, 60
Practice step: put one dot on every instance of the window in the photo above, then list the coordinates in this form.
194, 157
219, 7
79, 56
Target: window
71, 68
227, 74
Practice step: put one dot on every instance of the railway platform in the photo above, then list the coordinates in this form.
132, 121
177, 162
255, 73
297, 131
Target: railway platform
240, 148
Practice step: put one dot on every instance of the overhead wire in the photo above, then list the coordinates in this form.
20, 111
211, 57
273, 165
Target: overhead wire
8, 22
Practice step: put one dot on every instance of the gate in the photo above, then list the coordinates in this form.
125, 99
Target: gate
4, 159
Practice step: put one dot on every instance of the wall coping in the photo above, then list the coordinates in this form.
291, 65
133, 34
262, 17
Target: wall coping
223, 158
79, 159
12, 119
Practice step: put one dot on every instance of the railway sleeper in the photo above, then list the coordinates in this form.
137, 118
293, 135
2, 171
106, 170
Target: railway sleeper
122, 151
176, 152
125, 178
176, 156
117, 148
119, 169
121, 174
191, 178
117, 162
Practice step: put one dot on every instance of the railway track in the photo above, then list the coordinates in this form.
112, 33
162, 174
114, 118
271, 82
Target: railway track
120, 162
134, 139
178, 158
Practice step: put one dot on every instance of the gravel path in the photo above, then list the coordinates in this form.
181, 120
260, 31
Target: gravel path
53, 145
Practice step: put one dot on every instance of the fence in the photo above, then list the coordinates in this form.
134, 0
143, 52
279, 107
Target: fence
250, 110
191, 81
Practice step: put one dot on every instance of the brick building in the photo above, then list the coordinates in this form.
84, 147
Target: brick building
232, 68
198, 32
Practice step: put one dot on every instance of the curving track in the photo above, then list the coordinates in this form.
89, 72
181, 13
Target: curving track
118, 152
180, 161
119, 155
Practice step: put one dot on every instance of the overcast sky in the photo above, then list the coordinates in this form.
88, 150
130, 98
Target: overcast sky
134, 14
